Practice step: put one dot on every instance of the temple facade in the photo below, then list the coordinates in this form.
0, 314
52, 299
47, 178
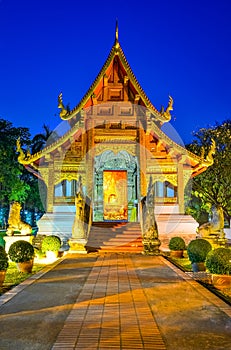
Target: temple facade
113, 145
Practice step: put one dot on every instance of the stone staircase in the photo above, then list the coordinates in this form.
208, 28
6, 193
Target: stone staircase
108, 237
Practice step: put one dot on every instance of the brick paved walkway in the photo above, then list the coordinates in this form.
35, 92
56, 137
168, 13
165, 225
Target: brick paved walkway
111, 311
113, 301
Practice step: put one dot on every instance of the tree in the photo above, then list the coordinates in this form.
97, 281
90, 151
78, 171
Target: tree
13, 188
16, 183
41, 140
214, 185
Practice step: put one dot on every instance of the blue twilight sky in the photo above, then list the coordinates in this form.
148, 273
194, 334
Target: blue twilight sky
175, 47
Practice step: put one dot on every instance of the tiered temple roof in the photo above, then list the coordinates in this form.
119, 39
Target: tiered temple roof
116, 83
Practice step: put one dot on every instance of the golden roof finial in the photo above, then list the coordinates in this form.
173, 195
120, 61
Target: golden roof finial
22, 158
166, 113
208, 161
63, 111
117, 34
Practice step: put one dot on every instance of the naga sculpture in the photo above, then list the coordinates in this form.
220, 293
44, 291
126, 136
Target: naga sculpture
78, 230
150, 238
215, 226
15, 223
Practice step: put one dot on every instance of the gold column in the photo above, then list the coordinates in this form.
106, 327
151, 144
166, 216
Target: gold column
180, 185
90, 156
50, 187
142, 159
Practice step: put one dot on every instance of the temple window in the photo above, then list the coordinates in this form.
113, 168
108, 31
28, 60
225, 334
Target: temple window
164, 189
59, 190
170, 190
65, 188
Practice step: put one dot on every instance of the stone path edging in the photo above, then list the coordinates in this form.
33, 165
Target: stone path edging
202, 290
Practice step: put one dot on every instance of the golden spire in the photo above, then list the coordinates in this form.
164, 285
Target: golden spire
117, 34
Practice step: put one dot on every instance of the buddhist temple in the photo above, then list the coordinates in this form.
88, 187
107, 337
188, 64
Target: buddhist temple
113, 146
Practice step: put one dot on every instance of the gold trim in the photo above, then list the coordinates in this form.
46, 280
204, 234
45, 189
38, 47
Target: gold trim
116, 50
30, 158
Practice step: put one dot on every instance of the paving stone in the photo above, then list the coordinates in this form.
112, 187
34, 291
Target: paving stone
121, 301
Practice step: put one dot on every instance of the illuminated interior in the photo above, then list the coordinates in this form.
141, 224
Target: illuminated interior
115, 195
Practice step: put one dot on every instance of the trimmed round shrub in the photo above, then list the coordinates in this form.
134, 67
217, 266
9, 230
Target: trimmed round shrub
21, 251
177, 243
4, 263
2, 241
51, 243
198, 250
218, 261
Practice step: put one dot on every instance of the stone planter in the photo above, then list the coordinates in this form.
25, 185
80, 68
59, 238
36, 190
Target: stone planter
221, 281
198, 266
176, 253
25, 266
51, 255
2, 277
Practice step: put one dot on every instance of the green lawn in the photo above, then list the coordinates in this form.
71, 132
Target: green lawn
15, 277
183, 263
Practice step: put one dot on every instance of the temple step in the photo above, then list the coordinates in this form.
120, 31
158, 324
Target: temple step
115, 237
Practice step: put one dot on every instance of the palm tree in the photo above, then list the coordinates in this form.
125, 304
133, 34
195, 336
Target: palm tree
41, 140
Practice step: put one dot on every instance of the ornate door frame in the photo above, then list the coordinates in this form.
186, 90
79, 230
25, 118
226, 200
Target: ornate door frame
121, 161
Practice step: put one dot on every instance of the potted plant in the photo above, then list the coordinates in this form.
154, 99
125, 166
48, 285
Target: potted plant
197, 252
177, 247
51, 245
22, 253
218, 262
3, 264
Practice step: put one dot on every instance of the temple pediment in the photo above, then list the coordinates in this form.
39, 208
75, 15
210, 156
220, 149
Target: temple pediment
116, 82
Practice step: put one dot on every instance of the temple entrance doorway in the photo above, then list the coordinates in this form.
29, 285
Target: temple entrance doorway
116, 187
115, 197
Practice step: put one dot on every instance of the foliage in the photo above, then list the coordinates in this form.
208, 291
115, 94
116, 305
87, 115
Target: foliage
218, 261
37, 194
198, 250
41, 140
39, 254
4, 263
21, 251
183, 263
177, 243
2, 241
16, 182
214, 185
13, 188
51, 243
